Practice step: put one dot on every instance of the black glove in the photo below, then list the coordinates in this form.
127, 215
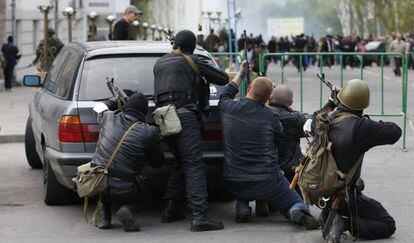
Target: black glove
129, 92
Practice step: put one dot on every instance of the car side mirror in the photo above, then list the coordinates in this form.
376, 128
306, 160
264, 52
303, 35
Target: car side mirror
32, 81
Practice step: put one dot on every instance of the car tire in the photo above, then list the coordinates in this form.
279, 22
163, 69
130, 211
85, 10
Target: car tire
30, 147
53, 192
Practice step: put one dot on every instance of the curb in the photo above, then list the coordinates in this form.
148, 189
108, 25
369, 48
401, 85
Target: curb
12, 138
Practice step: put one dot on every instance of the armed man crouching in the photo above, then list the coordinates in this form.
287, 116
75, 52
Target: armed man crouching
351, 137
141, 144
251, 134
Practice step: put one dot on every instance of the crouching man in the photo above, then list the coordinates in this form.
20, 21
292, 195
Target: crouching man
250, 137
140, 145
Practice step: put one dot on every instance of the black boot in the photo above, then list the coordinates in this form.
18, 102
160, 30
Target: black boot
103, 221
337, 229
127, 215
201, 222
173, 211
305, 219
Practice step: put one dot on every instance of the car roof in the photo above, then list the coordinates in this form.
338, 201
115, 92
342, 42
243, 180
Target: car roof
98, 48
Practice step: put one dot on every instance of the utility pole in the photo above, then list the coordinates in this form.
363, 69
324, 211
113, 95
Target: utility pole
14, 22
56, 18
45, 9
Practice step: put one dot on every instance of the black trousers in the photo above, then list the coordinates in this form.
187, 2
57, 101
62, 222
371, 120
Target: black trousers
8, 76
371, 222
189, 172
123, 193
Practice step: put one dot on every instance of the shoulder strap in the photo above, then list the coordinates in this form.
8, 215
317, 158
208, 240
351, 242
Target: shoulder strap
118, 146
354, 168
335, 118
189, 60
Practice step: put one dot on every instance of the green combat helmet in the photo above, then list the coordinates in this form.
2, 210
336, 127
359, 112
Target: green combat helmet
355, 95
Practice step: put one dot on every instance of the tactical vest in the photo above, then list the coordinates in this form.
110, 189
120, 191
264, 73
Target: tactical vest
175, 82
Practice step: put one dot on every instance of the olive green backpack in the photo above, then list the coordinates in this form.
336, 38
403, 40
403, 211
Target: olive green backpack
320, 177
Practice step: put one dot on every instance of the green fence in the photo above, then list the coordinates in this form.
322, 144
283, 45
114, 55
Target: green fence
341, 55
223, 60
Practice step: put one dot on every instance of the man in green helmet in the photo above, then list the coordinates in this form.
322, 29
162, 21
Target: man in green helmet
351, 137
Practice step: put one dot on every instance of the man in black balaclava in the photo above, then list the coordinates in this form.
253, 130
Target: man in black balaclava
176, 82
140, 145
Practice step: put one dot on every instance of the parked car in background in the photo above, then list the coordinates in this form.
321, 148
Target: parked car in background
61, 131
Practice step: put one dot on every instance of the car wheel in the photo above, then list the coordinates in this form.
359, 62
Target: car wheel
30, 147
53, 192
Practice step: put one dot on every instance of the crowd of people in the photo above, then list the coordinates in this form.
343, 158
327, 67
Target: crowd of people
256, 45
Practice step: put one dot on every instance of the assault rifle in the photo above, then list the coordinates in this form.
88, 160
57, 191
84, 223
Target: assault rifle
327, 83
170, 37
119, 94
246, 69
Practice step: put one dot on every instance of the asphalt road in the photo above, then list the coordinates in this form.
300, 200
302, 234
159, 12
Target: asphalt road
387, 172
25, 218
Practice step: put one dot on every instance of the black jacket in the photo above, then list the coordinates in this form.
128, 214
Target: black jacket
356, 135
290, 153
251, 134
176, 82
121, 30
140, 146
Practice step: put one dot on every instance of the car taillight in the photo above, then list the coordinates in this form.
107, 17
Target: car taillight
71, 130
211, 131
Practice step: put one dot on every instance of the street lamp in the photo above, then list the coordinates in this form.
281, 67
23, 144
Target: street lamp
45, 9
69, 12
92, 16
160, 29
145, 26
209, 20
153, 27
110, 19
136, 25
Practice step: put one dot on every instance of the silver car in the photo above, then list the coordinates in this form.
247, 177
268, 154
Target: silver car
61, 131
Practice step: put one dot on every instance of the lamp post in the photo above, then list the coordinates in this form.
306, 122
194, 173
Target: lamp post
153, 27
110, 19
209, 20
160, 29
45, 9
145, 27
69, 12
136, 25
92, 16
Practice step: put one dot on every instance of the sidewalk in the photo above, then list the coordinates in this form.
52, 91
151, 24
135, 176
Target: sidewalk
14, 108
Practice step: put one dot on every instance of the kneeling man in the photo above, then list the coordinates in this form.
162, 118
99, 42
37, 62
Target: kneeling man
250, 137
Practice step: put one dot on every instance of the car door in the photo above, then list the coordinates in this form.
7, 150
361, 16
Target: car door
48, 102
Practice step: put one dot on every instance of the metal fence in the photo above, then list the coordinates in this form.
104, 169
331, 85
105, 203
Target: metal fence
223, 59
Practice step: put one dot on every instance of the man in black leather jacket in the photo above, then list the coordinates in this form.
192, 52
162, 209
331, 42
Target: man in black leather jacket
251, 134
140, 146
177, 83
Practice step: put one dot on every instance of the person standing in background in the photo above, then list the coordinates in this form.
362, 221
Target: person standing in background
11, 55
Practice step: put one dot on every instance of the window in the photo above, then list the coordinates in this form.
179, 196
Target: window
131, 72
53, 74
67, 76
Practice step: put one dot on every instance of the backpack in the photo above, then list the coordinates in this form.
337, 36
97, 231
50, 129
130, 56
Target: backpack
320, 177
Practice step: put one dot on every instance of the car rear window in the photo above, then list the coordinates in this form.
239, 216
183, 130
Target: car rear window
131, 72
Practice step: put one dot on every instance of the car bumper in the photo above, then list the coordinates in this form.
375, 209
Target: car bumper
65, 166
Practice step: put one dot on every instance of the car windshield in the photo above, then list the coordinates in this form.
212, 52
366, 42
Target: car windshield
132, 72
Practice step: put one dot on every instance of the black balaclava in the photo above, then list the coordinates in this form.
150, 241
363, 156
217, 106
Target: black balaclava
186, 41
137, 106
